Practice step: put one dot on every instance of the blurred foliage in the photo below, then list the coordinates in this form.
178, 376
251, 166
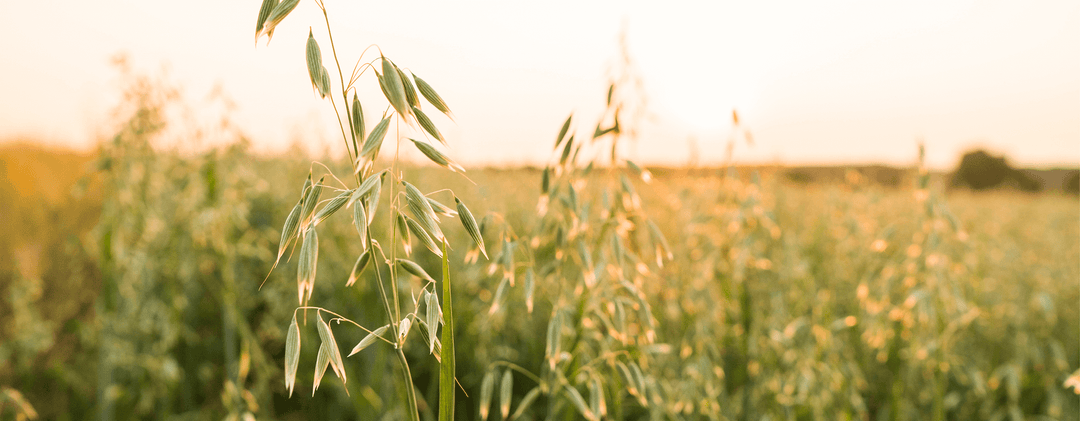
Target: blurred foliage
1072, 183
136, 296
979, 170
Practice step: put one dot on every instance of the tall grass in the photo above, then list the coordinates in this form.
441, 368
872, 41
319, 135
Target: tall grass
610, 292
399, 280
752, 319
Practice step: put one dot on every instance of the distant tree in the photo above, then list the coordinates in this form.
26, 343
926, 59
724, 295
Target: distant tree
979, 170
1072, 183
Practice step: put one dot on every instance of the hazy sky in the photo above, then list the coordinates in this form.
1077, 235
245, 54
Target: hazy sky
815, 82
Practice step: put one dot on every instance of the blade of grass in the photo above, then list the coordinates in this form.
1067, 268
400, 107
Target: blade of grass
447, 367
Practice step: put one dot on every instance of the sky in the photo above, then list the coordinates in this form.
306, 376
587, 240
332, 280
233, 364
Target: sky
826, 82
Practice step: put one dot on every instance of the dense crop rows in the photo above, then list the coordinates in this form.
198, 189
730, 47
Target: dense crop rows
603, 291
815, 302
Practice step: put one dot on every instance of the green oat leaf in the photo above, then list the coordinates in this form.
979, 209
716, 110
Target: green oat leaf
415, 269
487, 387
369, 339
374, 141
281, 10
382, 84
448, 363
525, 402
264, 12
545, 180
430, 95
469, 222
334, 205
307, 187
644, 174
403, 232
410, 89
289, 231
314, 62
658, 238
309, 257
562, 131
628, 378
292, 354
310, 200
422, 210
554, 339
596, 398
500, 293
530, 287
324, 82
395, 91
357, 120
431, 318
427, 125
373, 197
422, 235
321, 362
507, 259
566, 150
360, 221
441, 209
358, 267
579, 402
369, 186
435, 156
506, 389
639, 380
327, 337
403, 330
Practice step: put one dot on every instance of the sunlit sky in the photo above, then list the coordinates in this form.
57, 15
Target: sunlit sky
815, 82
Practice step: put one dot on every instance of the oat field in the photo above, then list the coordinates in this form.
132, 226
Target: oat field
147, 282
697, 295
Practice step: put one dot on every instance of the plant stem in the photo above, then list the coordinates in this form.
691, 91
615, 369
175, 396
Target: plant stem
410, 393
344, 99
410, 390
448, 362
382, 291
343, 136
393, 224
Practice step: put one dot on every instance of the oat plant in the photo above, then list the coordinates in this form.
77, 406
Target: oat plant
409, 296
587, 259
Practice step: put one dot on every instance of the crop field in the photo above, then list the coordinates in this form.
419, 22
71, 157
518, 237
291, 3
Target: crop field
142, 281
698, 295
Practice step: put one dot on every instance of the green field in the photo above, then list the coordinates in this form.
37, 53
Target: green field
133, 293
136, 282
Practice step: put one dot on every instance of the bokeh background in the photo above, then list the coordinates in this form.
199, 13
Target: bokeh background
823, 83
871, 209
